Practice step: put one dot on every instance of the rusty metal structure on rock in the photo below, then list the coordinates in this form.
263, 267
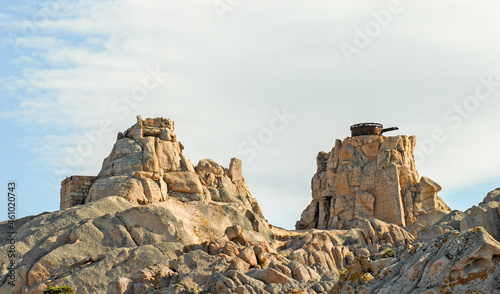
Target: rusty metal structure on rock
363, 129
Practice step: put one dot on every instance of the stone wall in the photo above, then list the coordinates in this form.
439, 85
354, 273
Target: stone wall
75, 189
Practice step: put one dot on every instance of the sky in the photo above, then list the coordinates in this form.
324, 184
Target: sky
269, 82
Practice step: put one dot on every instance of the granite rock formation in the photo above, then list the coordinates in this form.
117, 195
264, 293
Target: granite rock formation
147, 165
154, 223
467, 262
326, 262
368, 177
88, 246
486, 215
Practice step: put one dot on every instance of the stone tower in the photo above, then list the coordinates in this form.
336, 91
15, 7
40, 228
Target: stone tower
369, 176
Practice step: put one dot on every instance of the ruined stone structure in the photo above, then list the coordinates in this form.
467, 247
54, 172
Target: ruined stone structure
75, 189
370, 176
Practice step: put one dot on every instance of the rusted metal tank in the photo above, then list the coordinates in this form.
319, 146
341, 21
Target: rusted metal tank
363, 129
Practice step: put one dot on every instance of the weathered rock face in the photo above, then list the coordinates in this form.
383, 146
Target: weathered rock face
228, 266
147, 165
486, 215
325, 262
88, 246
369, 177
154, 223
147, 202
468, 262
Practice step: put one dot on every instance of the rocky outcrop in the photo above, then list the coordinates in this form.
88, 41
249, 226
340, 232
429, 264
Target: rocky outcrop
468, 262
147, 202
304, 262
88, 246
154, 223
147, 165
118, 246
370, 177
486, 215
326, 262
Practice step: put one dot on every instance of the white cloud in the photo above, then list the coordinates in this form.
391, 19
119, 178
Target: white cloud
226, 77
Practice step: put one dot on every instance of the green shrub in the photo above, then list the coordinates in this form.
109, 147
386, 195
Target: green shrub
59, 290
388, 253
